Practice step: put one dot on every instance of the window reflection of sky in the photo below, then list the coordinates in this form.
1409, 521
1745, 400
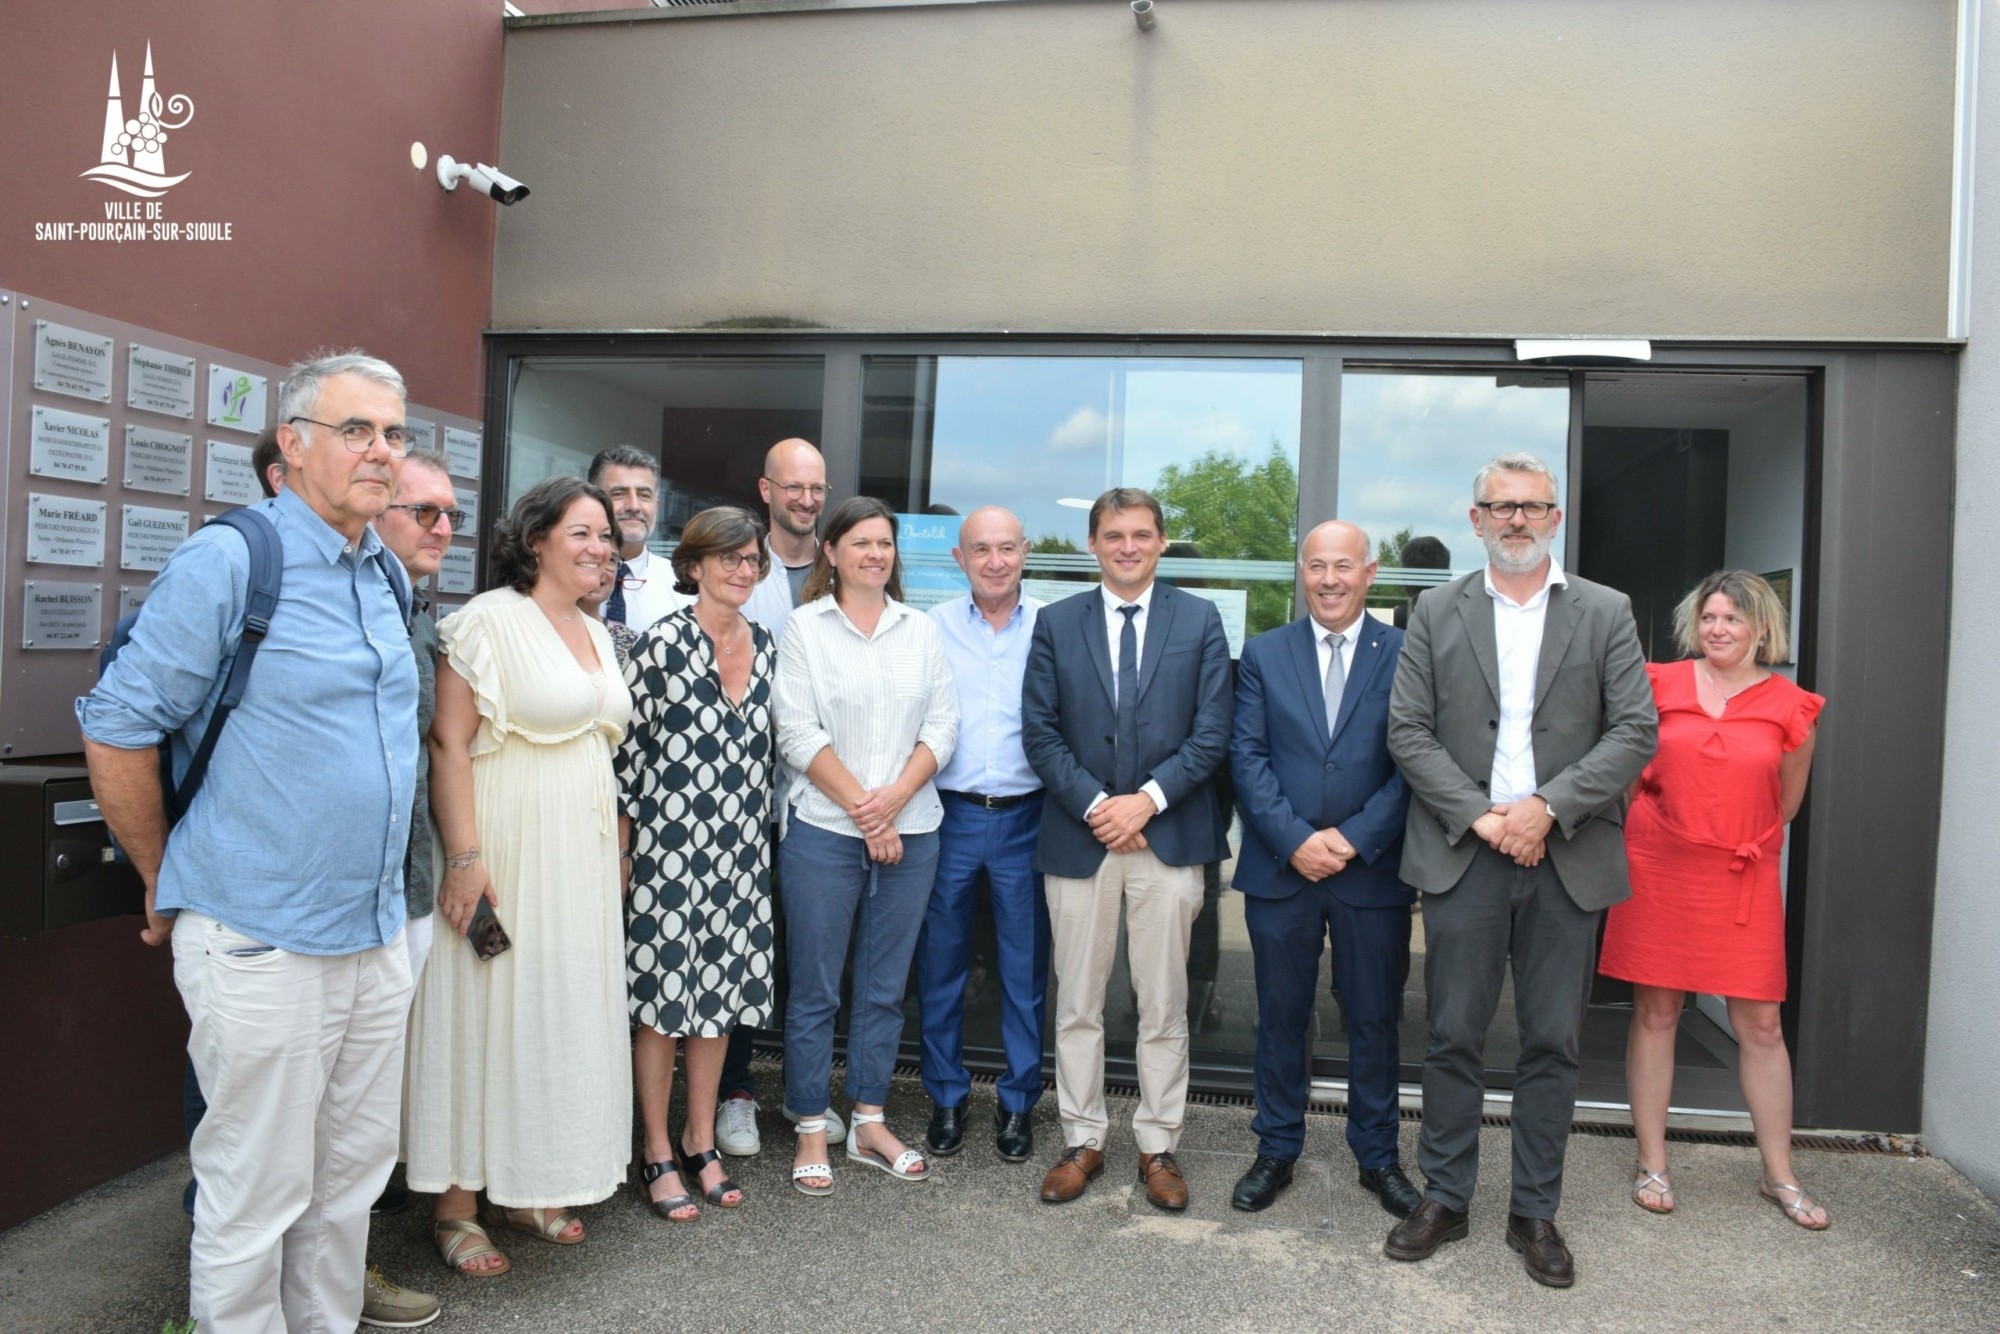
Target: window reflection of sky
1027, 432
1410, 444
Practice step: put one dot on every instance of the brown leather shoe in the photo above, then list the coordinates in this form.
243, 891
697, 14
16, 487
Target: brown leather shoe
1165, 1187
1072, 1172
1431, 1226
1542, 1250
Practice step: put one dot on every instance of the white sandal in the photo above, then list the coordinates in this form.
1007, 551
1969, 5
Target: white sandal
814, 1125
900, 1169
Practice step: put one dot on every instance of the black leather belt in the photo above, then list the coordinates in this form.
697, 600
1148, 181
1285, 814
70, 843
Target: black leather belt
991, 803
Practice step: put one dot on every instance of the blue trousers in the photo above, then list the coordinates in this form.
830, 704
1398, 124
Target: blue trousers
832, 893
1371, 963
1001, 844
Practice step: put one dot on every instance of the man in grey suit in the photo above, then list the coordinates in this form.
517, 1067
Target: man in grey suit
1520, 714
1125, 719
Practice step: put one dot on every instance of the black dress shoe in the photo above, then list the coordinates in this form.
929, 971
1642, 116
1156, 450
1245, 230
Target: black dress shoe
1260, 1185
1391, 1187
395, 1198
1014, 1134
1430, 1226
947, 1133
1542, 1250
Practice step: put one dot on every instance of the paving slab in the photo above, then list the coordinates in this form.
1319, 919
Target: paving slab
1913, 1246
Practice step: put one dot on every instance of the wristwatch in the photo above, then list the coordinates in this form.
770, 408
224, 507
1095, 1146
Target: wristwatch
1550, 809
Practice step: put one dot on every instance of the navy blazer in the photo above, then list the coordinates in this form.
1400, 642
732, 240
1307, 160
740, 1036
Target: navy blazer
1293, 779
1069, 720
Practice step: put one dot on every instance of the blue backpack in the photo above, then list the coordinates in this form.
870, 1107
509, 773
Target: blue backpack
267, 575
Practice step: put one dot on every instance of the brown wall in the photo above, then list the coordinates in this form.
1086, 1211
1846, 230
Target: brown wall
1738, 168
303, 118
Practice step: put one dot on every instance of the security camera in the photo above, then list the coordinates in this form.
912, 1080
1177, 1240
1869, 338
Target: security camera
490, 181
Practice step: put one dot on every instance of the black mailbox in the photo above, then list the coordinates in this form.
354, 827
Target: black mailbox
57, 868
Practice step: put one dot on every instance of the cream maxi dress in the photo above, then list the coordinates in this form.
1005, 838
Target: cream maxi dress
519, 1075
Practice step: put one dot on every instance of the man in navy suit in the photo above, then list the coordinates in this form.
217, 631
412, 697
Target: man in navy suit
1125, 719
1323, 812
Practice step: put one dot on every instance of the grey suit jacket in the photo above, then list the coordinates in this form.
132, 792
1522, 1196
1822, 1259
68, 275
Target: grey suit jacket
1594, 729
1068, 721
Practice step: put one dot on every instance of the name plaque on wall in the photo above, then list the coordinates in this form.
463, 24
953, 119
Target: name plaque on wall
423, 434
457, 574
61, 615
461, 452
468, 500
235, 399
72, 362
156, 460
148, 536
69, 445
62, 531
230, 480
131, 597
157, 381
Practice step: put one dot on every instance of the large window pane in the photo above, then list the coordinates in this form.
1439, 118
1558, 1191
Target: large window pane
707, 419
1217, 441
1410, 442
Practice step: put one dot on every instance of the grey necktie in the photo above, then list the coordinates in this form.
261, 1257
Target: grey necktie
1336, 681
1126, 779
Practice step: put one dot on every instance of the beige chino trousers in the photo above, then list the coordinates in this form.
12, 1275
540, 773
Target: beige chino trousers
1160, 903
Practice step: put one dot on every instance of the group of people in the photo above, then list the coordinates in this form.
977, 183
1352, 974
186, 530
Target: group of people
659, 800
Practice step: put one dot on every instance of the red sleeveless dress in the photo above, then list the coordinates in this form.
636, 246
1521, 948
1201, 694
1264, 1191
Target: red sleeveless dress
1702, 838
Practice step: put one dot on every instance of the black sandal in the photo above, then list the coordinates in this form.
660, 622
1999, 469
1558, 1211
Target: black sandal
691, 1165
665, 1208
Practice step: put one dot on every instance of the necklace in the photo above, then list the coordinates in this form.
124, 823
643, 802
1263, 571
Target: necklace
1727, 695
716, 639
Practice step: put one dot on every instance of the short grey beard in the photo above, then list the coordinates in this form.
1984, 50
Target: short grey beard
1497, 553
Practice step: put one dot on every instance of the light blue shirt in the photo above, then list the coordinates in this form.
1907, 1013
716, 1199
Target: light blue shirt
297, 836
987, 666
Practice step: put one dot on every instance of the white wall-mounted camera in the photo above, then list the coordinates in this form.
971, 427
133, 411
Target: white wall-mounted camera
495, 184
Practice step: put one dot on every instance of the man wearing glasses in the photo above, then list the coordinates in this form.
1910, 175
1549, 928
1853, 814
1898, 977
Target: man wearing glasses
1520, 714
793, 489
281, 887
645, 590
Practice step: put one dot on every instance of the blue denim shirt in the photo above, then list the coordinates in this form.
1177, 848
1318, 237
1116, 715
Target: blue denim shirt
298, 833
987, 666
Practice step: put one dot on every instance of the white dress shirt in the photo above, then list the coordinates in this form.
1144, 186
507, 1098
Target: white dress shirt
656, 597
1114, 626
872, 698
1330, 642
1517, 641
771, 601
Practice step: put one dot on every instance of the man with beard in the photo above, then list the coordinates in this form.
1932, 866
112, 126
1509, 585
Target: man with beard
645, 589
793, 489
1520, 714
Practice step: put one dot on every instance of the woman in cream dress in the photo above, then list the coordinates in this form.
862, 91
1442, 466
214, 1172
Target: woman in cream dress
519, 1076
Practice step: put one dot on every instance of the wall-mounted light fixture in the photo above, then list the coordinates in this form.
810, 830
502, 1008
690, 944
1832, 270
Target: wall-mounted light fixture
1583, 351
489, 181
1142, 12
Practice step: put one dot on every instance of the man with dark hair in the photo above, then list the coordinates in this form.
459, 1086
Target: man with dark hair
1125, 718
645, 589
268, 462
1420, 553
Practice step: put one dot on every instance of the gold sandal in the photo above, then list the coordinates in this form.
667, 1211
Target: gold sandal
1799, 1208
548, 1224
462, 1239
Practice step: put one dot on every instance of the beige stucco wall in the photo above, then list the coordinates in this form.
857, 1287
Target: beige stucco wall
1775, 168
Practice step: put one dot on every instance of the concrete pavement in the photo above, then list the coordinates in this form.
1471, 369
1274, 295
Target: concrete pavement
1913, 1246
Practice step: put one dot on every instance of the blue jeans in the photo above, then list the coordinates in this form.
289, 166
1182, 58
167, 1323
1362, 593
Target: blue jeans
832, 893
1002, 844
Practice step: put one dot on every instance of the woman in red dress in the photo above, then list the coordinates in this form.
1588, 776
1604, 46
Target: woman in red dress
1703, 835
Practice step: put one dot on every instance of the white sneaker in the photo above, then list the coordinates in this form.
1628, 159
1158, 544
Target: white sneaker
387, 1306
836, 1129
736, 1128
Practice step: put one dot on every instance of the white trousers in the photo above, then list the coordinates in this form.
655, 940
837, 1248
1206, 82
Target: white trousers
1161, 903
301, 1060
418, 934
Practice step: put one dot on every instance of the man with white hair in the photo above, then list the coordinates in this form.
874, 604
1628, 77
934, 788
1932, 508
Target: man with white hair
281, 885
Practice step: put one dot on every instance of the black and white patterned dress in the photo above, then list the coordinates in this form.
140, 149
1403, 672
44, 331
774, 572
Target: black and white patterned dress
695, 775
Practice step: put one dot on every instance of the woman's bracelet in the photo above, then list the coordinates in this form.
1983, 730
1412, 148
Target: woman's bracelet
460, 861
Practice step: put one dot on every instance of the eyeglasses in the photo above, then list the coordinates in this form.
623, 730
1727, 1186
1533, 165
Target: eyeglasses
428, 515
1505, 510
732, 561
796, 490
358, 435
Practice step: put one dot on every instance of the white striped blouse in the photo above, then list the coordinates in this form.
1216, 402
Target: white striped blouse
871, 698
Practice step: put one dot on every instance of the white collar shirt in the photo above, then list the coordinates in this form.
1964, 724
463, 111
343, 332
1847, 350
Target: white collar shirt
1517, 644
1114, 625
1328, 642
655, 597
